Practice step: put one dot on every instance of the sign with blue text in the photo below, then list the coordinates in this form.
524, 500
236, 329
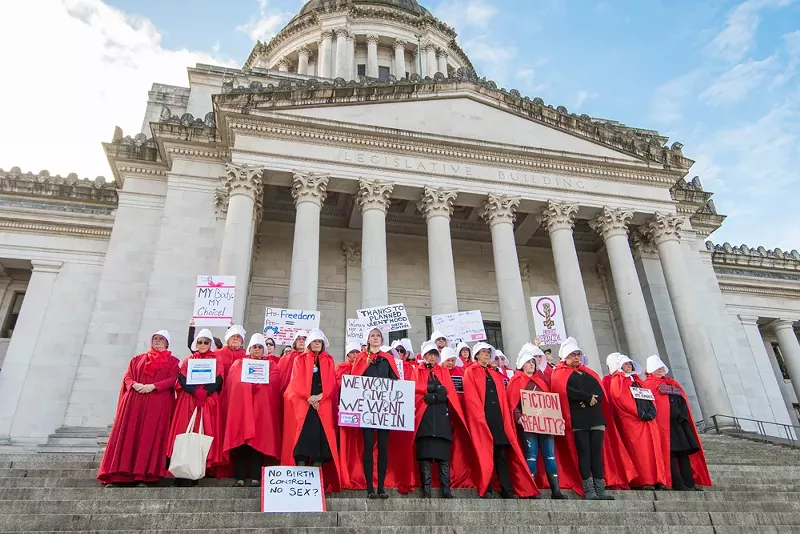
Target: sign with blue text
292, 489
200, 371
281, 324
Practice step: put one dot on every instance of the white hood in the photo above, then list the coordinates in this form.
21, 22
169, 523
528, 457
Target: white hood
448, 353
257, 339
427, 347
437, 334
463, 345
612, 362
654, 363
480, 345
568, 347
232, 331
351, 346
205, 333
637, 367
165, 335
529, 352
299, 333
317, 335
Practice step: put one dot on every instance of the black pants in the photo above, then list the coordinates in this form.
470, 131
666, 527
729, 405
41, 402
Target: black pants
682, 476
383, 456
500, 458
247, 462
589, 444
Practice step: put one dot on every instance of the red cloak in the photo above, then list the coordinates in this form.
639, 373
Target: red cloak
285, 366
226, 356
474, 400
698, 459
456, 371
255, 412
137, 447
401, 472
296, 407
618, 472
211, 413
618, 456
642, 438
342, 369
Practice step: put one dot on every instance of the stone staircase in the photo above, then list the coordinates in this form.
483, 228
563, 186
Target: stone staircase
757, 490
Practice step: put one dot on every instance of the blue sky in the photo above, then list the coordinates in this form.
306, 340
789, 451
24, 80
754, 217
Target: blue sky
720, 76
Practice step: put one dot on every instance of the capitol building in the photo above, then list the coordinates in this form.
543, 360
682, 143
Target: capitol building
356, 160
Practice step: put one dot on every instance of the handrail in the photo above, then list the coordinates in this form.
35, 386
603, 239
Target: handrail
786, 434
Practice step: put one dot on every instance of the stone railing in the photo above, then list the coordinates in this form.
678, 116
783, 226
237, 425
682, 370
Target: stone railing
727, 254
43, 184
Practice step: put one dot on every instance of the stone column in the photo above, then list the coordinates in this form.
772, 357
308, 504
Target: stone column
352, 258
399, 59
437, 206
324, 68
558, 219
442, 55
787, 341
245, 190
430, 62
283, 65
341, 53
612, 225
710, 388
351, 57
309, 192
372, 56
373, 197
302, 62
498, 212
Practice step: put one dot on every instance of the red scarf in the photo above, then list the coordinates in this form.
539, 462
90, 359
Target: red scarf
155, 360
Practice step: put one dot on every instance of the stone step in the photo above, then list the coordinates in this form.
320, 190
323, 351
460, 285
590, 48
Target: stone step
499, 529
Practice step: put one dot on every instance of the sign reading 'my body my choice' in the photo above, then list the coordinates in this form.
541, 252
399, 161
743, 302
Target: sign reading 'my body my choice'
391, 318
213, 300
281, 324
368, 402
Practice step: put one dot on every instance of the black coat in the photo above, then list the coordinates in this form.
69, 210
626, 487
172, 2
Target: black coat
580, 388
493, 413
435, 421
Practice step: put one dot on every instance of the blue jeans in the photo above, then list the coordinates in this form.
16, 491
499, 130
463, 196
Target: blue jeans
532, 443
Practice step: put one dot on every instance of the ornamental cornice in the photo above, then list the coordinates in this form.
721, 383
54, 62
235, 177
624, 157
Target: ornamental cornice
559, 216
726, 256
374, 195
761, 291
498, 209
70, 188
437, 201
309, 187
59, 229
611, 222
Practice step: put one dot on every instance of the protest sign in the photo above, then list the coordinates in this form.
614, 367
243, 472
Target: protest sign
292, 489
458, 383
355, 332
201, 371
255, 371
541, 413
213, 300
367, 402
393, 317
281, 324
462, 326
642, 393
548, 319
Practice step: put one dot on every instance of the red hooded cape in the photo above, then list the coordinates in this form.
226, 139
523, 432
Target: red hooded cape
344, 368
137, 446
642, 438
296, 407
211, 412
618, 472
462, 452
698, 459
618, 455
474, 400
226, 356
401, 472
255, 412
285, 366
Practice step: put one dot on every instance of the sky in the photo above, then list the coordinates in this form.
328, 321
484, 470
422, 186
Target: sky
720, 76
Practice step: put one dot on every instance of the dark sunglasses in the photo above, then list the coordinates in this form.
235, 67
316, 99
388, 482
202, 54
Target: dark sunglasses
270, 344
202, 342
401, 350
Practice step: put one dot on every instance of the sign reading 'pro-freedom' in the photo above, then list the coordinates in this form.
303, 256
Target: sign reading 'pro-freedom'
281, 324
367, 402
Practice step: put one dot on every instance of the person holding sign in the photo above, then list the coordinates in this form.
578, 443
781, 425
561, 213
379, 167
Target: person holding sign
531, 363
404, 352
680, 442
254, 418
137, 447
492, 430
233, 349
636, 416
199, 387
351, 351
287, 360
464, 354
191, 335
581, 394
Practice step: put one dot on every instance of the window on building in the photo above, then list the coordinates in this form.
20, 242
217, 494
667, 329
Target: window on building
397, 336
493, 334
362, 70
13, 314
781, 363
383, 74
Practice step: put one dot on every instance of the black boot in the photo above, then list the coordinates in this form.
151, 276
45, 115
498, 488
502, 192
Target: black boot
425, 478
444, 479
555, 491
589, 493
600, 490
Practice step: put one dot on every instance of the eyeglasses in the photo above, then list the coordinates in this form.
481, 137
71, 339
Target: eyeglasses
401, 350
202, 342
270, 344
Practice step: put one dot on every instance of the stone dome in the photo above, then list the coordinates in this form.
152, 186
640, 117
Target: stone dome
411, 6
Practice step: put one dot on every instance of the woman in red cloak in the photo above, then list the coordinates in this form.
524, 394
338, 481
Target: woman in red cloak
287, 360
137, 447
233, 349
205, 397
581, 396
405, 359
451, 362
464, 354
637, 426
490, 424
311, 404
254, 418
680, 442
351, 351
619, 469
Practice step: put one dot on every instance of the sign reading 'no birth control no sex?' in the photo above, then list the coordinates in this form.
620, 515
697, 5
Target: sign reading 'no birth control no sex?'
292, 489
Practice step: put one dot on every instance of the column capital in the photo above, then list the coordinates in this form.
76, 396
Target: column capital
782, 323
221, 198
525, 268
499, 209
243, 180
372, 39
341, 32
642, 243
437, 201
326, 35
611, 222
748, 319
309, 187
559, 216
442, 53
665, 227
304, 51
283, 62
374, 195
352, 252
46, 266
399, 44
428, 47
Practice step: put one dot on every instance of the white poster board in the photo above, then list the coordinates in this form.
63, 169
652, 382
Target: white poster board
292, 489
281, 324
367, 402
200, 371
255, 371
462, 326
355, 332
642, 393
393, 317
548, 319
213, 300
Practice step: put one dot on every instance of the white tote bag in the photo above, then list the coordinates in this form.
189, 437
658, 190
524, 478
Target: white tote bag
190, 452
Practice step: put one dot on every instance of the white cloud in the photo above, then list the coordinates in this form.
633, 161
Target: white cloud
465, 13
670, 97
735, 84
582, 97
72, 71
736, 38
266, 24
490, 59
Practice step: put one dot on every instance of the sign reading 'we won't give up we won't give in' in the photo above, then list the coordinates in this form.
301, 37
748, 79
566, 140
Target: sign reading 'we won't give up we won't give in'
368, 402
292, 489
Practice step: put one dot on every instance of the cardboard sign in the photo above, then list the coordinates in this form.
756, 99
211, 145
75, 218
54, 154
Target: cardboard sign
541, 413
642, 393
292, 489
548, 319
213, 300
367, 402
393, 317
281, 324
355, 332
200, 371
255, 371
462, 326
